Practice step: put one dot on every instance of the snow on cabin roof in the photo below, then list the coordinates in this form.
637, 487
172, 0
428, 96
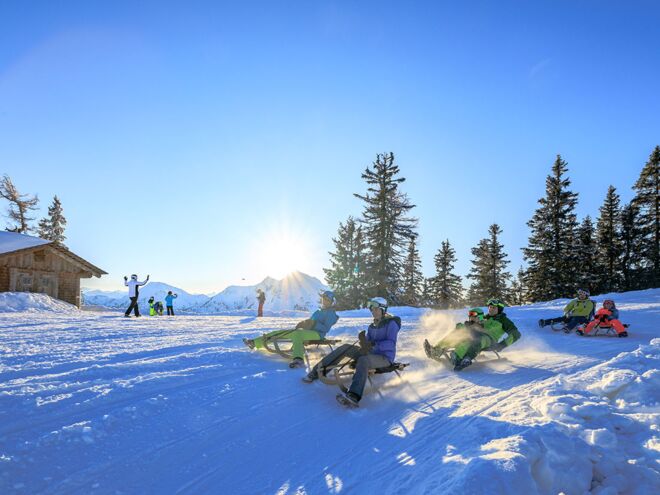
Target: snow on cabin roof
12, 241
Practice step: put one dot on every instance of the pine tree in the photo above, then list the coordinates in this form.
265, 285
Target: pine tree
647, 200
608, 229
446, 288
346, 274
52, 228
518, 290
387, 228
588, 272
20, 206
413, 280
550, 252
489, 269
631, 248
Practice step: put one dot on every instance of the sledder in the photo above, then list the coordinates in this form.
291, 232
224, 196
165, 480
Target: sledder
310, 331
478, 334
606, 322
577, 312
374, 354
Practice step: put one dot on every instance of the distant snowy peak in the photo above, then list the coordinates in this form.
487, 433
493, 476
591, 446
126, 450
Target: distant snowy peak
295, 292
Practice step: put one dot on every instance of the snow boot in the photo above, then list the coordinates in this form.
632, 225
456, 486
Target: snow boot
309, 378
623, 334
579, 331
249, 343
428, 349
297, 363
348, 400
542, 323
465, 362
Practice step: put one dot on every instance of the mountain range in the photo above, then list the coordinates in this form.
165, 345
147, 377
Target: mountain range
295, 292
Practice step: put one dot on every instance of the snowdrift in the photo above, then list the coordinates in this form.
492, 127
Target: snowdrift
14, 302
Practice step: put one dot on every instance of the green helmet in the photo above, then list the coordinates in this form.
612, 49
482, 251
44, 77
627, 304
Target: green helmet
478, 312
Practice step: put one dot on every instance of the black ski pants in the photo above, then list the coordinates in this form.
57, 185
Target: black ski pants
133, 307
170, 311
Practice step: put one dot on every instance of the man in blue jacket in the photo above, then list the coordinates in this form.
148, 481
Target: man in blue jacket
377, 349
313, 328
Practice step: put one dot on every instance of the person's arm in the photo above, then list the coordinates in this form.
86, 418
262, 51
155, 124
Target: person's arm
569, 307
512, 332
145, 281
126, 281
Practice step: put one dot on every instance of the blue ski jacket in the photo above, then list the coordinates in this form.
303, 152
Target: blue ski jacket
169, 298
323, 320
383, 336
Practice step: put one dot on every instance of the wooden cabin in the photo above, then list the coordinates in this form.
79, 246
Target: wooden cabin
30, 264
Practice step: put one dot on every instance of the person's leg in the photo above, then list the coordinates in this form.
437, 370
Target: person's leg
349, 350
362, 367
134, 304
590, 326
260, 342
130, 307
618, 326
574, 321
298, 337
260, 311
552, 321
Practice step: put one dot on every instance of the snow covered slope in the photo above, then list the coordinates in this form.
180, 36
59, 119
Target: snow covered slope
96, 403
296, 292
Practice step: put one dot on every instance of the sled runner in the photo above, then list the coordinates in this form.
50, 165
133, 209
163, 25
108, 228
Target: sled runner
341, 372
444, 355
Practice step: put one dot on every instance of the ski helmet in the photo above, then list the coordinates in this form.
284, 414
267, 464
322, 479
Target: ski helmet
497, 303
134, 277
608, 302
584, 292
478, 312
329, 295
377, 302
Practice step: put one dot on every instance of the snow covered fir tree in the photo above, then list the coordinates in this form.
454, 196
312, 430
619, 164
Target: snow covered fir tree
52, 227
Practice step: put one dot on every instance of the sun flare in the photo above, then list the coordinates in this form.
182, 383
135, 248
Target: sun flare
283, 253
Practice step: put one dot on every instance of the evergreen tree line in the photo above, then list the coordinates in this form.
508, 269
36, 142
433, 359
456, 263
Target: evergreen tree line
20, 211
377, 255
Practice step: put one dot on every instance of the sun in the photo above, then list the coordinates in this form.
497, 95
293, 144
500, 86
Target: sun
282, 253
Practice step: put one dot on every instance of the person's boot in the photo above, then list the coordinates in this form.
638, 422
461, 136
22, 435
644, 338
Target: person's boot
349, 400
623, 334
310, 377
249, 343
465, 362
427, 348
542, 323
297, 363
579, 331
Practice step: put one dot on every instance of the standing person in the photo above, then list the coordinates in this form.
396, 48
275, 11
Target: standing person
313, 328
133, 293
261, 297
577, 312
169, 302
377, 349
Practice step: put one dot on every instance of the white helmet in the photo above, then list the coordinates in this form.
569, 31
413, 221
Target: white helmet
377, 302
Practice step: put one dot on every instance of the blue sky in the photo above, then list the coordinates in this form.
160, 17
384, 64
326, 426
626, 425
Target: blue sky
214, 143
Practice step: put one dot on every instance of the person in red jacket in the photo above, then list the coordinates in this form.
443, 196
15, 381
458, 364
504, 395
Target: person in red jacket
606, 317
261, 298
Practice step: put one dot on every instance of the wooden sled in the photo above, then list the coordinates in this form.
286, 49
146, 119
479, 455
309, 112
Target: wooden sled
601, 331
445, 355
341, 373
284, 347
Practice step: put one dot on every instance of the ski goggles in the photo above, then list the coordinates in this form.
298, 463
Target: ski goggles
473, 313
374, 304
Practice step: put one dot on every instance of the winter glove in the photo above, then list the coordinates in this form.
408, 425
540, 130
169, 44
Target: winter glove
365, 345
307, 324
125, 278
